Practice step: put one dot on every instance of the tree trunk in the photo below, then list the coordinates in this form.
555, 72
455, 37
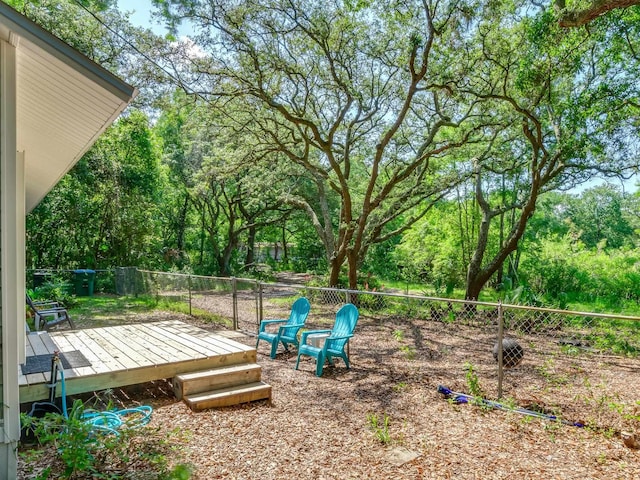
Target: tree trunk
334, 273
224, 260
475, 271
500, 273
251, 244
285, 250
182, 224
474, 287
202, 235
353, 270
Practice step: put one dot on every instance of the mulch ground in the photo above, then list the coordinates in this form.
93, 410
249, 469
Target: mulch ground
333, 427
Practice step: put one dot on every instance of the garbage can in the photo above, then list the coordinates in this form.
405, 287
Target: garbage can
40, 278
83, 281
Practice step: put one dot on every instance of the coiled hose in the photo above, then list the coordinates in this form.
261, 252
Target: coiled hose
110, 421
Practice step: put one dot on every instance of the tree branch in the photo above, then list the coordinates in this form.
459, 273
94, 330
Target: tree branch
578, 18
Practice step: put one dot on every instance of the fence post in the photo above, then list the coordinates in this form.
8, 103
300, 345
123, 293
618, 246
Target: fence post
157, 285
138, 282
347, 297
259, 300
189, 281
500, 352
234, 287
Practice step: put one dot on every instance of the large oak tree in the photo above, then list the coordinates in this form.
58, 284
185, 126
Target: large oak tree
351, 93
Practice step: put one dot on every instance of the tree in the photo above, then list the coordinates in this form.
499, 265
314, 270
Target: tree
597, 217
231, 191
106, 206
563, 116
582, 13
176, 215
337, 91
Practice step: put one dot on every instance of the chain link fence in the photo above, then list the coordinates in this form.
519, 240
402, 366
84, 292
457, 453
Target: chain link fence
551, 360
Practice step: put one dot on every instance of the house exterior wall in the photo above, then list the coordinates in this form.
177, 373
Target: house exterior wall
11, 272
34, 62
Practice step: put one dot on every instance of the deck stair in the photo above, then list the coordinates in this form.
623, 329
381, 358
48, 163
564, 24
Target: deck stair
222, 386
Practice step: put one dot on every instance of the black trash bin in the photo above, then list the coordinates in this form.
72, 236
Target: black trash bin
40, 278
83, 281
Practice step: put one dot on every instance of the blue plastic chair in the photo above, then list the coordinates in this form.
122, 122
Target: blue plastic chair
334, 345
288, 333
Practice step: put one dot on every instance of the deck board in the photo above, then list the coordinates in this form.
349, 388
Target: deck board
181, 350
129, 354
158, 354
206, 346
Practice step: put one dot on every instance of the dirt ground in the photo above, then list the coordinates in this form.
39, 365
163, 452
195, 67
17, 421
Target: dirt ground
333, 427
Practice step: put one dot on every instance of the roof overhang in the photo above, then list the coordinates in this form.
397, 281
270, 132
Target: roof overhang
64, 101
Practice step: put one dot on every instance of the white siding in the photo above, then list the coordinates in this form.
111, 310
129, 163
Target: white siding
54, 103
49, 88
10, 272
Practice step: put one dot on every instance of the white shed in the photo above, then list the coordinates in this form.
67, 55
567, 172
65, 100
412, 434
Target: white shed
54, 103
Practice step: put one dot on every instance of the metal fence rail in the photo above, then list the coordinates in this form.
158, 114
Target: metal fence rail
555, 357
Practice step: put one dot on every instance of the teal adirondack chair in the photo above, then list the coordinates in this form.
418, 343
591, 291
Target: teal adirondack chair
288, 333
335, 344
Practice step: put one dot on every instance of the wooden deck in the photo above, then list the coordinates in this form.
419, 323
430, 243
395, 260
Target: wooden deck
129, 354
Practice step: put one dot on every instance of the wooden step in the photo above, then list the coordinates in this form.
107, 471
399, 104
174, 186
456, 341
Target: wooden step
215, 378
226, 397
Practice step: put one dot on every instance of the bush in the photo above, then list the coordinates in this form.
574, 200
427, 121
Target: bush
86, 452
560, 269
57, 289
105, 281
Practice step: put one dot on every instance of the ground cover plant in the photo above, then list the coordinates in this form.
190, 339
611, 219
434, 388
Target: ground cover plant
82, 444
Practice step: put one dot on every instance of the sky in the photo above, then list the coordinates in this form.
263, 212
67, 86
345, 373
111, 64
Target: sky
142, 14
142, 8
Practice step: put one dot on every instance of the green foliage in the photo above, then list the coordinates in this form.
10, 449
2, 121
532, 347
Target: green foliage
551, 376
609, 414
621, 337
57, 289
409, 351
473, 383
399, 387
562, 269
106, 205
83, 450
380, 427
303, 141
105, 282
431, 251
398, 335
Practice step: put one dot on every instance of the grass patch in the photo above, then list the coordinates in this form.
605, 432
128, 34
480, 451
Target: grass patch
103, 310
181, 307
285, 301
110, 305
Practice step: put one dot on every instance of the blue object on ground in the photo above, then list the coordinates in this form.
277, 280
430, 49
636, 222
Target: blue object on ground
464, 398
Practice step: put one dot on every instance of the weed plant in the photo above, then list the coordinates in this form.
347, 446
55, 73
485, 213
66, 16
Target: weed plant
473, 383
85, 452
398, 335
409, 351
380, 427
